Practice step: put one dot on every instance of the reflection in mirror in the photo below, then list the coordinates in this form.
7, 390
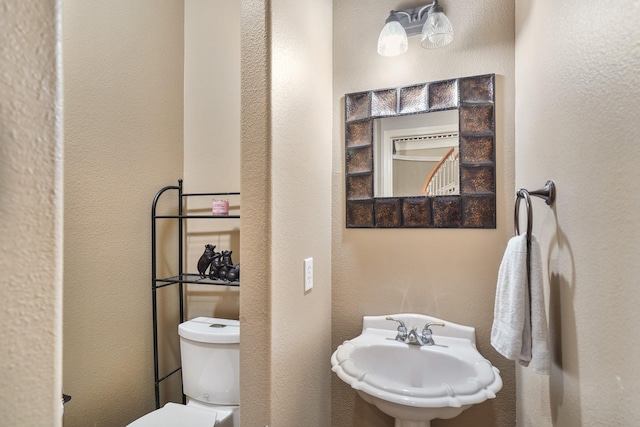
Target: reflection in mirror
416, 155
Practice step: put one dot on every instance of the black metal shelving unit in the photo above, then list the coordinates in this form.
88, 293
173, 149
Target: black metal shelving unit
182, 277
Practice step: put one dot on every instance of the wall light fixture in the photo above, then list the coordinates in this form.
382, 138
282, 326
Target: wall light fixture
429, 21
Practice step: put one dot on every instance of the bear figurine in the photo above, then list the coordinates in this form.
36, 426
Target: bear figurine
205, 260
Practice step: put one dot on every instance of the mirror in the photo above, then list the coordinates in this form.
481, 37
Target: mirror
422, 156
416, 155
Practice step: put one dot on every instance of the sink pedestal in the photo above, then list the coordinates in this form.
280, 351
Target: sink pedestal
403, 423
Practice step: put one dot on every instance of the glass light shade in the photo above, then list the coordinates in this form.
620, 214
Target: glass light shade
393, 38
437, 30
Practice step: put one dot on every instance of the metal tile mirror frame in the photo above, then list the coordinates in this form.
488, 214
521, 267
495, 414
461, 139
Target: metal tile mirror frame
475, 206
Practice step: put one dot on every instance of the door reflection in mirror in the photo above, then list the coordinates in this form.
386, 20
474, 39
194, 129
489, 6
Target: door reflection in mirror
416, 155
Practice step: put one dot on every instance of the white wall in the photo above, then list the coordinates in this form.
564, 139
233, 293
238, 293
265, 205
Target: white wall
286, 192
577, 123
123, 78
31, 214
410, 270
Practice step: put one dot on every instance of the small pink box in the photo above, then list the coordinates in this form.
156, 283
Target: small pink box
220, 207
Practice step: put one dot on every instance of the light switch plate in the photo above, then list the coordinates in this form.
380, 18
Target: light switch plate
308, 274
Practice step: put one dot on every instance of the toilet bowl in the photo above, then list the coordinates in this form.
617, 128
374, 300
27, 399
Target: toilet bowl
209, 349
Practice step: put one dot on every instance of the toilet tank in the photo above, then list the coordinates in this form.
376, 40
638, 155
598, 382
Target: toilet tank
209, 348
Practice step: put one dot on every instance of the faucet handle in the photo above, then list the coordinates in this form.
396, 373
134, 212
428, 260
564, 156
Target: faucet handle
402, 329
430, 324
426, 332
401, 323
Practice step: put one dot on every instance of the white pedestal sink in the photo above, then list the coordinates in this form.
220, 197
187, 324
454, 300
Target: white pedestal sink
415, 384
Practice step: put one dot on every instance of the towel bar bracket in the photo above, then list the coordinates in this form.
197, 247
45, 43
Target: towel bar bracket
548, 192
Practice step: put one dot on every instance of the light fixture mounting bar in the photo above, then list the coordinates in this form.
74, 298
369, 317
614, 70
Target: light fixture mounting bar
412, 20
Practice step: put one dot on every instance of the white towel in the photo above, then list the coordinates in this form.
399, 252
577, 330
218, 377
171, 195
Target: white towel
519, 329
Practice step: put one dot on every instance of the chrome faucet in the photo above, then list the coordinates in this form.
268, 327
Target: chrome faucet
402, 329
427, 334
412, 337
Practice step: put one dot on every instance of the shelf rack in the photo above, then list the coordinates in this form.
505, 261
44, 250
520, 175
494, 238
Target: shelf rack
182, 277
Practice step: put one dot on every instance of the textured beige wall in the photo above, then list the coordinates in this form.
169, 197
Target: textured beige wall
301, 211
577, 123
30, 214
212, 96
255, 186
212, 141
123, 89
286, 192
450, 274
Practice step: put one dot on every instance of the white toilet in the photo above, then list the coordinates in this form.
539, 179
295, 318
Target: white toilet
209, 349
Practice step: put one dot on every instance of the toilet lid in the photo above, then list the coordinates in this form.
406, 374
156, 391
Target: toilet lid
173, 414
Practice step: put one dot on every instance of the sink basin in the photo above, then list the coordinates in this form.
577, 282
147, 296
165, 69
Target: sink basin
415, 384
